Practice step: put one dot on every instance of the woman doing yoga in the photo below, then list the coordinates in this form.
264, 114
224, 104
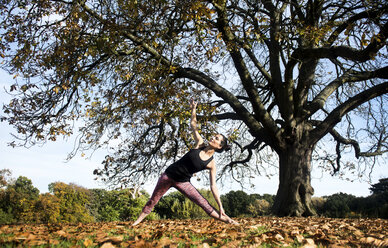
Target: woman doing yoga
179, 173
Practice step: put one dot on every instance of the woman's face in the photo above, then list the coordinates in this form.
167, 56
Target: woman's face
216, 141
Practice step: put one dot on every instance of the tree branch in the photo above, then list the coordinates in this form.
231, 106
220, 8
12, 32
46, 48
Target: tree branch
227, 116
258, 65
336, 115
345, 52
221, 92
343, 140
356, 146
319, 101
250, 147
369, 14
230, 40
283, 94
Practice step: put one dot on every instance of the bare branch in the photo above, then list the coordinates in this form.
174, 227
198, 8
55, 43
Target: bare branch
342, 140
258, 65
319, 101
336, 115
250, 147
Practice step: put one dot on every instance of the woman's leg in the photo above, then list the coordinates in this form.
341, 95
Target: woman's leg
164, 183
193, 194
187, 189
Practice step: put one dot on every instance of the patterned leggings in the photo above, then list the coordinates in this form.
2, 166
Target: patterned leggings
186, 188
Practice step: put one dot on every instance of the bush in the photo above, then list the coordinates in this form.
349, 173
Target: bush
259, 207
6, 218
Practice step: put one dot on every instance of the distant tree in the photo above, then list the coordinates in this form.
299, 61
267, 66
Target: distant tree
373, 206
184, 208
102, 205
180, 207
73, 201
24, 188
117, 205
5, 212
132, 203
269, 198
236, 203
5, 177
19, 199
380, 187
48, 209
164, 206
338, 205
6, 216
259, 207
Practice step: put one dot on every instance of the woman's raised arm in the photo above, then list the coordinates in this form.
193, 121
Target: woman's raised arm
193, 123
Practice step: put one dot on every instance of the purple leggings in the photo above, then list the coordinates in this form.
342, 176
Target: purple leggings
186, 188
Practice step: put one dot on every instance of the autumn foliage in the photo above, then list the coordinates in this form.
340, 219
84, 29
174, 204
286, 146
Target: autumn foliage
253, 232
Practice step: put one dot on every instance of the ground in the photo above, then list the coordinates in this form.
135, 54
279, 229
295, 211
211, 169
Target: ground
252, 232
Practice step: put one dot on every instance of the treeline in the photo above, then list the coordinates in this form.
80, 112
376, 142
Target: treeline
21, 202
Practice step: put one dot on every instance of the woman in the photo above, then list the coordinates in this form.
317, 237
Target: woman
179, 173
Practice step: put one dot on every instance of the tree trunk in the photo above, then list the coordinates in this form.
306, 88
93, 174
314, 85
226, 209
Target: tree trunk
294, 193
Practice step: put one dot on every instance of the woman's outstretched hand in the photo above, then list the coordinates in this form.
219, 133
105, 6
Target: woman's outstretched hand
222, 212
193, 104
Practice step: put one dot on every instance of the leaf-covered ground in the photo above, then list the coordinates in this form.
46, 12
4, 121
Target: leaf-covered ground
253, 232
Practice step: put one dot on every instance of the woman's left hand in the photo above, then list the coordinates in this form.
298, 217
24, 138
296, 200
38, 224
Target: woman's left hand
222, 212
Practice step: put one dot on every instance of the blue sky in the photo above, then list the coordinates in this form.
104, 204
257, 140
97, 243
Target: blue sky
47, 164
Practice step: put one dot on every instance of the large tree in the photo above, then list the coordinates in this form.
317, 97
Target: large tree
282, 76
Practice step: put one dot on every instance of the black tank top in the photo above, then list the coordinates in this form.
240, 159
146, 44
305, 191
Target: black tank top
183, 169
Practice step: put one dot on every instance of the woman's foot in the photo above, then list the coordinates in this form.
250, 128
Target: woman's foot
141, 217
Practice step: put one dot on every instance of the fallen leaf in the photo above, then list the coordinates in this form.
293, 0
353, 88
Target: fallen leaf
88, 242
61, 233
279, 237
163, 242
309, 246
299, 238
308, 242
205, 245
108, 245
367, 240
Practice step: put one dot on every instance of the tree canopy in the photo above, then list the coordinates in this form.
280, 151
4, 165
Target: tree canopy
380, 187
282, 76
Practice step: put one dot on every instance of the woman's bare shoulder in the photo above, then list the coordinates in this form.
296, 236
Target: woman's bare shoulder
211, 165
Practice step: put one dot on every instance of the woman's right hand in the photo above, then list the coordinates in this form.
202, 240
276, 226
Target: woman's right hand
193, 104
193, 123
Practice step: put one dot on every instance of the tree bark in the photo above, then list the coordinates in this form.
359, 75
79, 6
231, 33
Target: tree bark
294, 193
